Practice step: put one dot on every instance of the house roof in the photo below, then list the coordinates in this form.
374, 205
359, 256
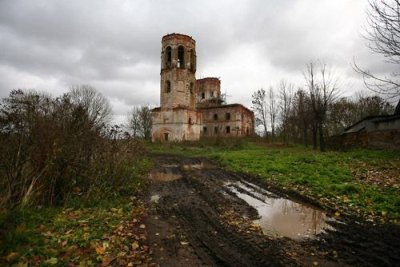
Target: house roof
374, 119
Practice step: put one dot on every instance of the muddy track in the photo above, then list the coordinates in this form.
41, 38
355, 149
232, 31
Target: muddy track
198, 219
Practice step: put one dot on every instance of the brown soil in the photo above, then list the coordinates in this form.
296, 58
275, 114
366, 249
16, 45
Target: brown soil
194, 220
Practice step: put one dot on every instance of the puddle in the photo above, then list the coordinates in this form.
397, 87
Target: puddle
279, 216
197, 166
155, 198
164, 176
170, 165
188, 167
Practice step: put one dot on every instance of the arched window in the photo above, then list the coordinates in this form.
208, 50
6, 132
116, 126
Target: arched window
181, 57
203, 95
190, 121
215, 116
228, 129
227, 116
168, 56
167, 86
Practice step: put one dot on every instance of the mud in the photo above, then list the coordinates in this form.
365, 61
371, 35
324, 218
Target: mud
201, 215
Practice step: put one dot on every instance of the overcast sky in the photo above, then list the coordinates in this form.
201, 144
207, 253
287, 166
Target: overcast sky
115, 45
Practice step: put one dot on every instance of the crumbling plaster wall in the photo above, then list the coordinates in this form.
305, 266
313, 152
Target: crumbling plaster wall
179, 124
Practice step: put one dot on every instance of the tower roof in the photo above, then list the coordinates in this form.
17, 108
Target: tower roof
178, 36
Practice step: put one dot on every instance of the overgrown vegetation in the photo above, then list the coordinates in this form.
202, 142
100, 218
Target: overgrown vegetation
63, 174
365, 182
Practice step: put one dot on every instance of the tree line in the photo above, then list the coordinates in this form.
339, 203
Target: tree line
309, 114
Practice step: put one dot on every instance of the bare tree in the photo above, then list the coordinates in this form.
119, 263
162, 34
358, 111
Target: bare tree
134, 122
146, 122
272, 109
96, 105
140, 122
259, 101
285, 96
302, 114
322, 87
383, 36
372, 106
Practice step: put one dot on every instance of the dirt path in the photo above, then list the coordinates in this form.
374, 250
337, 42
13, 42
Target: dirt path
201, 215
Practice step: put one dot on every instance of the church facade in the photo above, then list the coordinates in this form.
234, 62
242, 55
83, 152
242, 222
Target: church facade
190, 108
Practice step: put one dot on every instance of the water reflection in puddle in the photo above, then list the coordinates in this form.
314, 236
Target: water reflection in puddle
281, 216
197, 166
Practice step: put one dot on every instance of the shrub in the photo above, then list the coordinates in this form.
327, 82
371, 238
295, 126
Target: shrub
52, 149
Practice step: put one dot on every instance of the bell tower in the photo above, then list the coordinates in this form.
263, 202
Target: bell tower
178, 69
177, 118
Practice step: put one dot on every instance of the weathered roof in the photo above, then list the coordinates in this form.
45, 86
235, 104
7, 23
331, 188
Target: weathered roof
374, 119
227, 106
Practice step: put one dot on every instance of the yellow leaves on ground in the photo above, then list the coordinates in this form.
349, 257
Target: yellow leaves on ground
11, 256
135, 245
51, 261
87, 237
100, 250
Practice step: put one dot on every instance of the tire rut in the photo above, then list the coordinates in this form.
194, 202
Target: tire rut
190, 226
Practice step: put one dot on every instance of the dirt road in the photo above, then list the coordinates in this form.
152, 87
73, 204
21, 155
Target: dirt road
201, 215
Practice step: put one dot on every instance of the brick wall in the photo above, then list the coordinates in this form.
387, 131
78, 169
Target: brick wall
385, 139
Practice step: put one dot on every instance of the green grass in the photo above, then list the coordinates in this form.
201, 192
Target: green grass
318, 174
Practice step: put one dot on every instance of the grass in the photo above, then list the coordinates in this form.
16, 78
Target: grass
325, 176
69, 236
82, 232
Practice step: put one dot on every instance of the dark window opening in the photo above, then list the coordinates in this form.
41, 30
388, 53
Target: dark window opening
166, 136
228, 116
190, 121
167, 86
204, 129
247, 131
216, 130
203, 95
181, 57
215, 116
228, 129
169, 56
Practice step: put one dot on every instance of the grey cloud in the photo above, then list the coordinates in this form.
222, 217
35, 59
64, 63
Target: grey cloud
115, 45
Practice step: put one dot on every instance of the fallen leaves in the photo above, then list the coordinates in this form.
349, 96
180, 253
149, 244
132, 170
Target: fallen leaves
100, 250
11, 256
87, 237
386, 175
51, 261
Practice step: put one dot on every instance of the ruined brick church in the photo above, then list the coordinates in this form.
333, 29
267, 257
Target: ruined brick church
190, 108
